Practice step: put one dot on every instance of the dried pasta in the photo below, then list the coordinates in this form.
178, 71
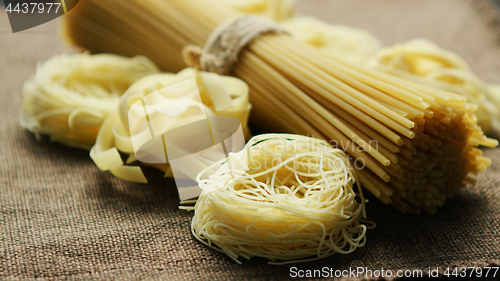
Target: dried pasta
418, 144
287, 198
70, 95
116, 136
275, 9
422, 61
349, 43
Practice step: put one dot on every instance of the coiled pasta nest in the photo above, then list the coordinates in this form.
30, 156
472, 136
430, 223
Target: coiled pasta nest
287, 198
70, 95
218, 96
422, 61
348, 43
275, 9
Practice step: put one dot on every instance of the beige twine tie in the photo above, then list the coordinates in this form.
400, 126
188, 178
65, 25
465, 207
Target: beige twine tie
221, 50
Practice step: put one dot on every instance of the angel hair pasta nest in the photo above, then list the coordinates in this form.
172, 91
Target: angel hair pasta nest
287, 198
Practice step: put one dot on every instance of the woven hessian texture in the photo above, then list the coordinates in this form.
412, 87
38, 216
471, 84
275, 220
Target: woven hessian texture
60, 217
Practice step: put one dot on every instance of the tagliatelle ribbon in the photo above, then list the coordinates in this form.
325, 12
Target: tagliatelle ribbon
422, 61
277, 10
70, 95
345, 42
168, 108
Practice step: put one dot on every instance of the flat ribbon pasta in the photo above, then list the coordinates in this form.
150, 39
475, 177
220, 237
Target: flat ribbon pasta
220, 96
344, 42
70, 95
274, 9
422, 61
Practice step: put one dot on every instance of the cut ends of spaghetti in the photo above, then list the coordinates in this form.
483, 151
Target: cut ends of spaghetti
287, 198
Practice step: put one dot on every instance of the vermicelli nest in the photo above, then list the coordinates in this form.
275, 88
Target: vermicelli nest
287, 198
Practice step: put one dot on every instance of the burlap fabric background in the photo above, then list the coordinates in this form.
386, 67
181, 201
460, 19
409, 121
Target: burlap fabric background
60, 217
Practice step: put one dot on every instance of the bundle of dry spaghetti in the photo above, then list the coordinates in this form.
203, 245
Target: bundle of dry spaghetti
70, 95
283, 197
418, 143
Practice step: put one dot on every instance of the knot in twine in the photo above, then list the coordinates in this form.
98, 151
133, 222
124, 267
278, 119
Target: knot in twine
221, 50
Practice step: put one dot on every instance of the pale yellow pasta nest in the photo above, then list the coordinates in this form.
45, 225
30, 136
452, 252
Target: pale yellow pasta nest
275, 9
287, 198
423, 61
348, 43
115, 135
70, 95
